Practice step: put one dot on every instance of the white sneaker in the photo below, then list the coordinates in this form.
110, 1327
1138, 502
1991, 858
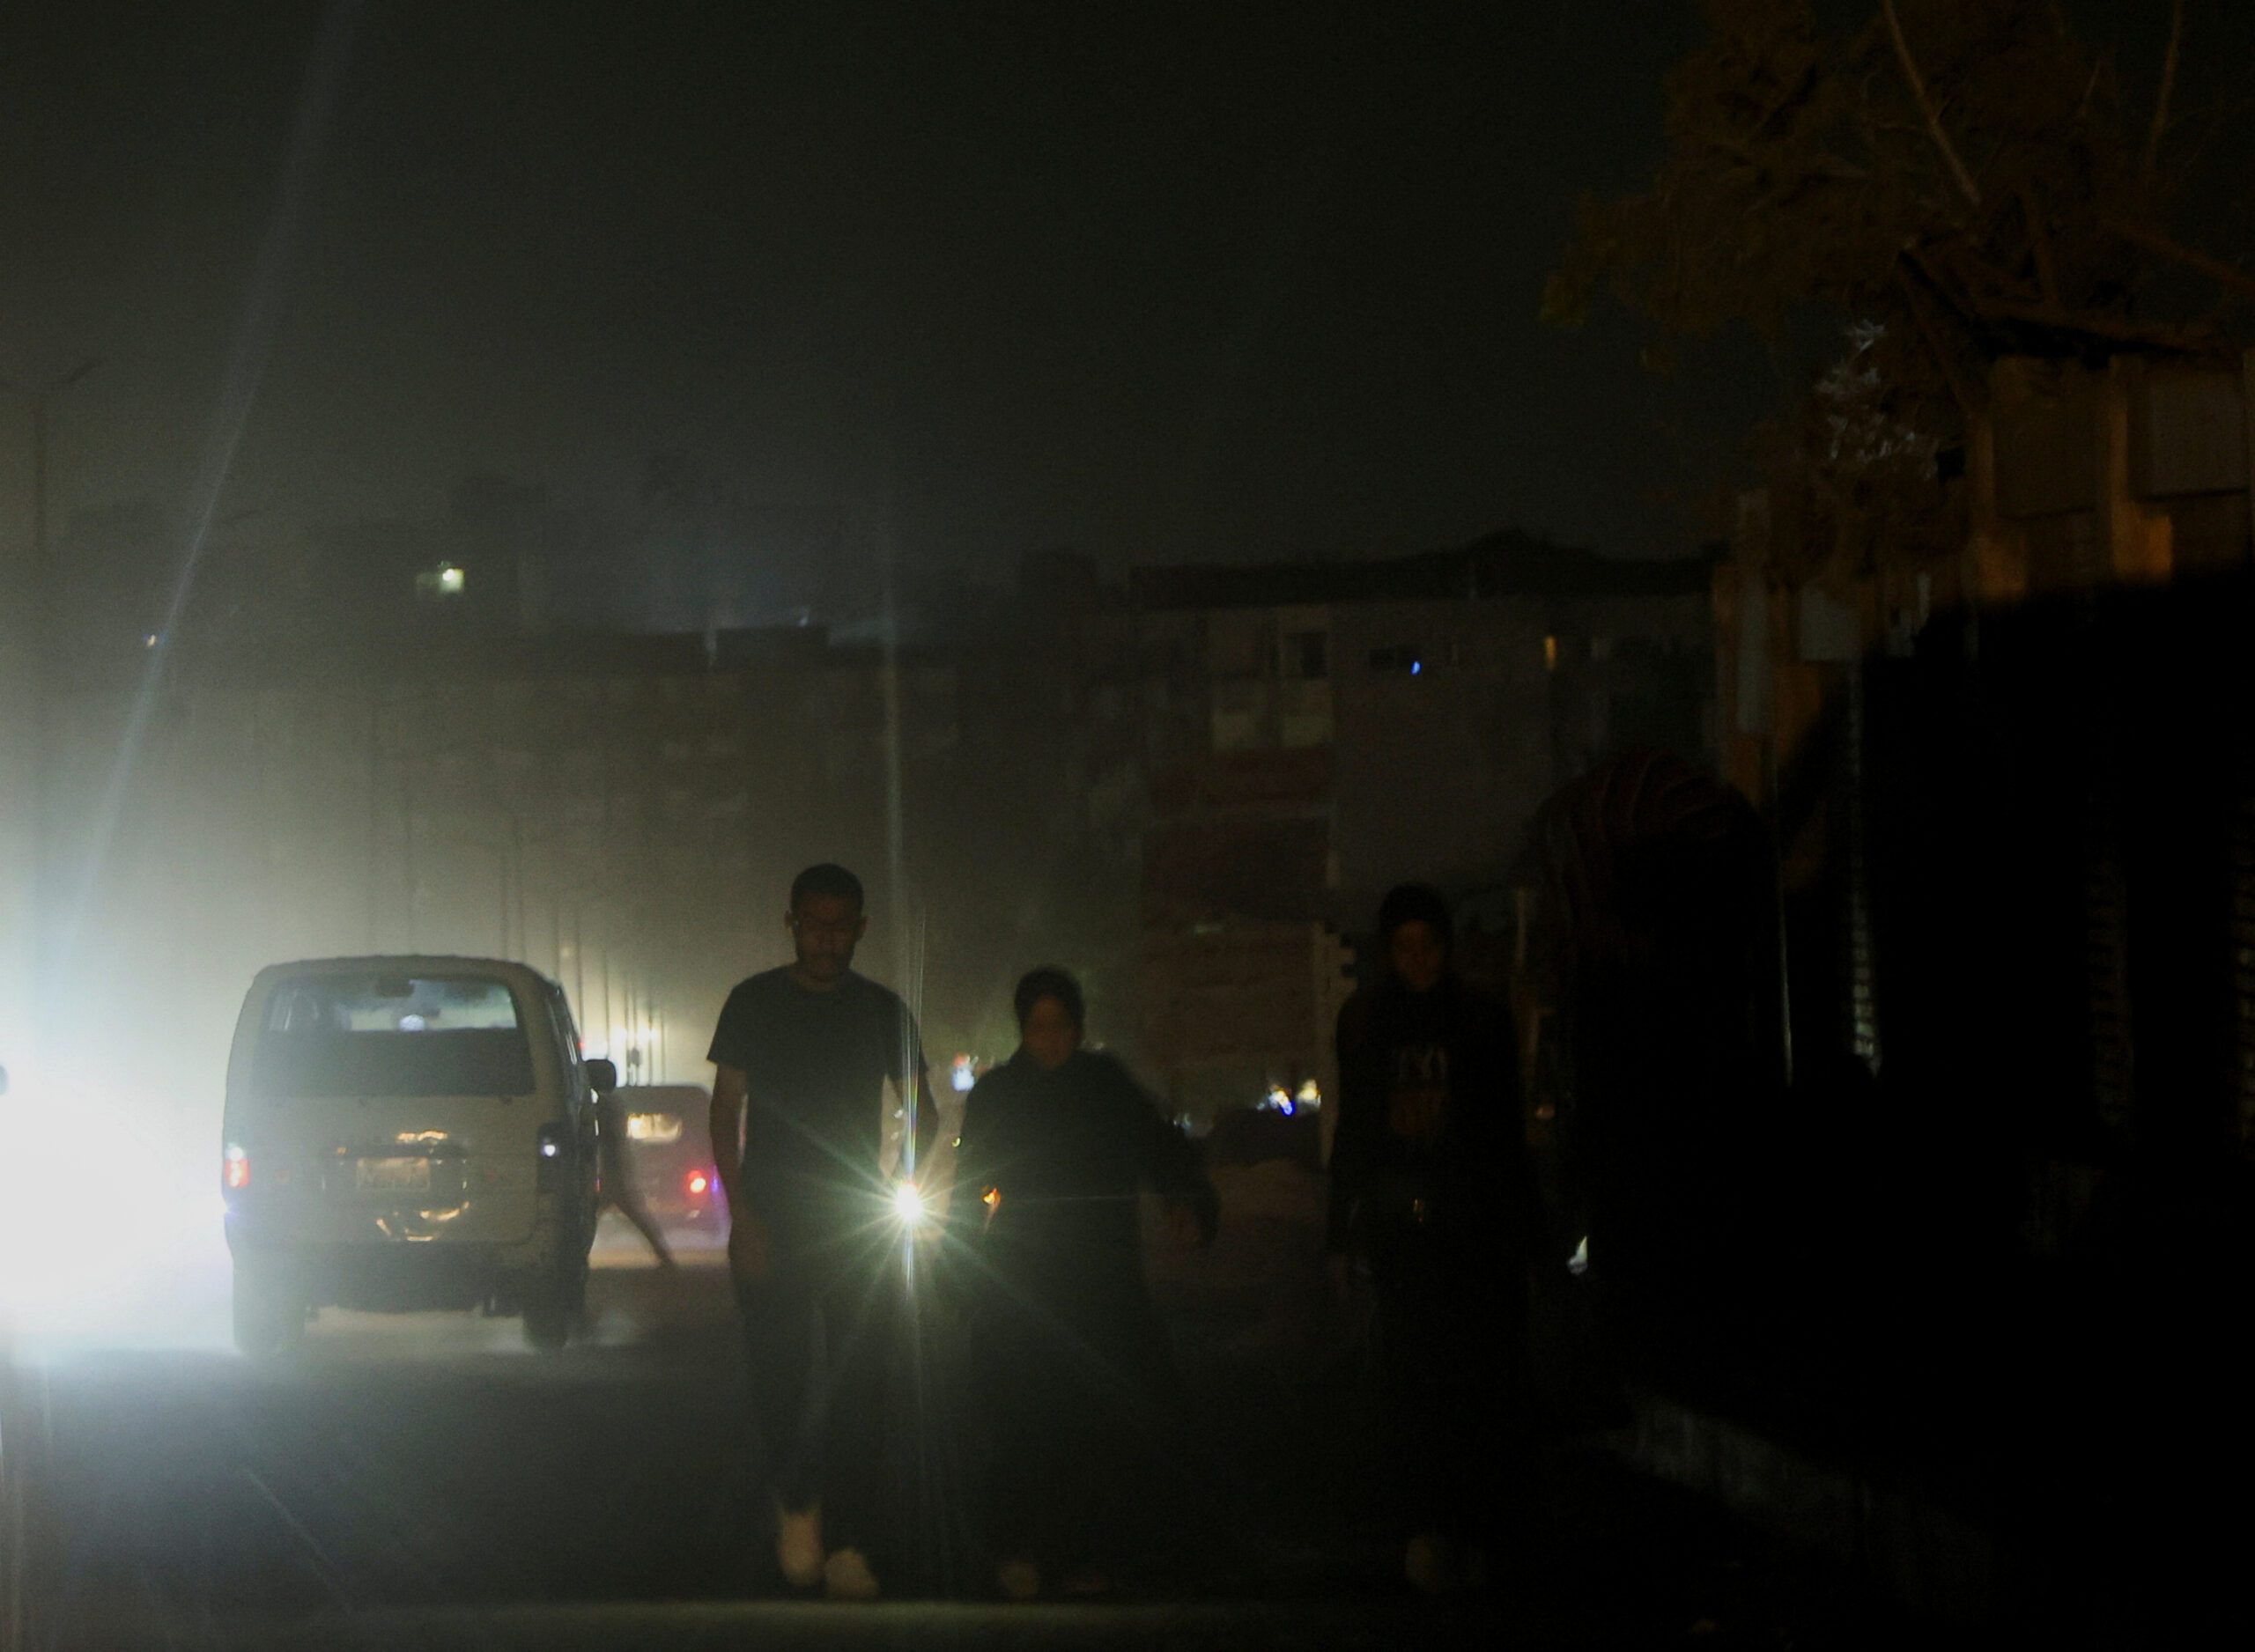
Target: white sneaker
1020, 1579
846, 1576
798, 1545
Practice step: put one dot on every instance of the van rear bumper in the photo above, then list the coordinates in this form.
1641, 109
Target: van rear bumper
401, 1276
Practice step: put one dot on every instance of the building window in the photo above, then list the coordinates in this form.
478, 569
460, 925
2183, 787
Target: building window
1305, 656
1235, 645
1403, 659
1240, 717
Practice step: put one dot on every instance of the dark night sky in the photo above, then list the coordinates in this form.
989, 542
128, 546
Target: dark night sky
1159, 282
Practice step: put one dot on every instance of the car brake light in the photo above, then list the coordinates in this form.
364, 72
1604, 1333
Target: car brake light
699, 1184
238, 1168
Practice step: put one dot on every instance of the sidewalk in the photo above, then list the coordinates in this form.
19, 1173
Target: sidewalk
1668, 1526
1934, 1559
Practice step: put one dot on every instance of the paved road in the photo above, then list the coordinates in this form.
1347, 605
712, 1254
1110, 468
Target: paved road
431, 1482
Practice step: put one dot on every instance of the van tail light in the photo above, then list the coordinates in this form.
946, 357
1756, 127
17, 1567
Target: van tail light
551, 1156
699, 1184
236, 1172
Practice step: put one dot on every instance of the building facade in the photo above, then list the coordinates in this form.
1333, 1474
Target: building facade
1315, 734
1191, 793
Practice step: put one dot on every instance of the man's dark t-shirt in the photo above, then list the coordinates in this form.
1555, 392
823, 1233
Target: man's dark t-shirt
1431, 1148
814, 1066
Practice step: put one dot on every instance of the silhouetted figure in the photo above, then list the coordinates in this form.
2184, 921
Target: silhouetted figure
1656, 935
1069, 1360
804, 1054
1432, 1187
621, 1191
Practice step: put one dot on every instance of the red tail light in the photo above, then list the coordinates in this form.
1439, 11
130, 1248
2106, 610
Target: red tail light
237, 1173
699, 1183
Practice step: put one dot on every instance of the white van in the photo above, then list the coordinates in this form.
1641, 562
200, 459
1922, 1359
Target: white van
404, 1134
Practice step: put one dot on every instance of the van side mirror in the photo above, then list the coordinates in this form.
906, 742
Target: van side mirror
603, 1076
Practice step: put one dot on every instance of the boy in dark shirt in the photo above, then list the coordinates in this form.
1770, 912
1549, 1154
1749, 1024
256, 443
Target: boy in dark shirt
803, 1057
1432, 1187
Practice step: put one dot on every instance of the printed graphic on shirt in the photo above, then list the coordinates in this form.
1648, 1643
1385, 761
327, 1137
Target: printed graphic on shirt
1418, 1102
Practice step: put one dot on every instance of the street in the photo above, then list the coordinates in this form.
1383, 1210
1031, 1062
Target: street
428, 1481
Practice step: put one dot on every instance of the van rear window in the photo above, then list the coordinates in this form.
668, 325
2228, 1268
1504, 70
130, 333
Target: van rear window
335, 1035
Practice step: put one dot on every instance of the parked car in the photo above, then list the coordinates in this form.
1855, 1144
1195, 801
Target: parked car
670, 1146
408, 1133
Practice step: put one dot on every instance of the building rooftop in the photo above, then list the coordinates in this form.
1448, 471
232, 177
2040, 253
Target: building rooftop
1505, 564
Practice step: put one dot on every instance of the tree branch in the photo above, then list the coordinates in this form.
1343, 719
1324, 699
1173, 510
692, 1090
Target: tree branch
2162, 245
1961, 272
1971, 189
1960, 391
1823, 164
2089, 89
2039, 238
2056, 318
2160, 104
1913, 255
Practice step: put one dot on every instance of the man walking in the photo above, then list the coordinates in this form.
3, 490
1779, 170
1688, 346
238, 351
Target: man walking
805, 1055
1430, 1184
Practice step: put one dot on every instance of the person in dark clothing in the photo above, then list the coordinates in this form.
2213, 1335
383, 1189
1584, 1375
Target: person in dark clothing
622, 1190
1432, 1187
1070, 1361
804, 1055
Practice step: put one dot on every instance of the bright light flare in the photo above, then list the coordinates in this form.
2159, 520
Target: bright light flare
111, 1235
908, 1204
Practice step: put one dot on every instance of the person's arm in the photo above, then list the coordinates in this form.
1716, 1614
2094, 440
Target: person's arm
726, 1122
913, 1087
1350, 1136
926, 1112
1528, 1222
974, 1167
1173, 1165
748, 1252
